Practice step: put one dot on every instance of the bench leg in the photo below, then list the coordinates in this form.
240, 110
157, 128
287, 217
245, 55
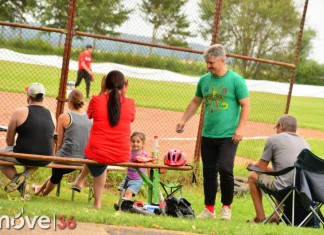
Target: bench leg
152, 183
75, 175
58, 189
91, 193
156, 186
153, 189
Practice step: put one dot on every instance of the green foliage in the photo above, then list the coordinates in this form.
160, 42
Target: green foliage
177, 33
275, 25
15, 10
31, 46
207, 12
52, 13
7, 11
169, 24
93, 17
272, 35
308, 70
90, 17
306, 43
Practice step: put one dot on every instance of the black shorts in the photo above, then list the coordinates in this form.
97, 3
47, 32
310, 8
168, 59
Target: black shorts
96, 170
27, 162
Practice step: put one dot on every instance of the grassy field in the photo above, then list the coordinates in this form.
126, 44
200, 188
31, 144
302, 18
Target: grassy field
266, 107
242, 210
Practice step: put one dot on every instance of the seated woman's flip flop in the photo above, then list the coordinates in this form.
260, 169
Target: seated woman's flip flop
35, 189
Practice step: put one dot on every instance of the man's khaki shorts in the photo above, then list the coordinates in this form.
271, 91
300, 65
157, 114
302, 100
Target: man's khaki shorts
9, 159
267, 181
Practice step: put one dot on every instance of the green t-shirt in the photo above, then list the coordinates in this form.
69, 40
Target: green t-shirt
221, 97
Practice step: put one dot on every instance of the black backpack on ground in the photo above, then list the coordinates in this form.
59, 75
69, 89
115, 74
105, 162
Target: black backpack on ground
179, 207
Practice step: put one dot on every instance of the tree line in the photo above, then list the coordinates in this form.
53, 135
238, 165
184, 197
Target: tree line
263, 29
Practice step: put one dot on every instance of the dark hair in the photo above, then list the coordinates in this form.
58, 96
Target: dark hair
138, 134
115, 81
76, 97
38, 98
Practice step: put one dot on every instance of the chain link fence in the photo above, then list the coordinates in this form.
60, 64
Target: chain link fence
158, 46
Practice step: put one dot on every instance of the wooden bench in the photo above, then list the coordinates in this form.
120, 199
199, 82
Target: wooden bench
73, 167
151, 180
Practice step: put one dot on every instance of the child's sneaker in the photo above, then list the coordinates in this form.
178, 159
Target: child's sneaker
205, 214
226, 213
16, 181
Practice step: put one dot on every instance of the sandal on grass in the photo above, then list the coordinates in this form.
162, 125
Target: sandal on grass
76, 188
15, 182
255, 220
274, 220
35, 189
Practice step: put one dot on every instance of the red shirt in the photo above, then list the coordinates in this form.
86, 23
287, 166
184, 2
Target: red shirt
109, 144
85, 57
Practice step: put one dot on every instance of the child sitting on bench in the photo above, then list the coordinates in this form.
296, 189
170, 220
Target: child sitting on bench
132, 182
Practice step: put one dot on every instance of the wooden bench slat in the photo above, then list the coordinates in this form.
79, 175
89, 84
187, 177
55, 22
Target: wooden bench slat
64, 166
152, 181
87, 161
51, 165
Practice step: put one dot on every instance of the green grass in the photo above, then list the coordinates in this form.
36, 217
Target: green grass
242, 210
266, 107
310, 112
317, 146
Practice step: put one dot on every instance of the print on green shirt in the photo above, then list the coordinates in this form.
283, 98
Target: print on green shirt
216, 100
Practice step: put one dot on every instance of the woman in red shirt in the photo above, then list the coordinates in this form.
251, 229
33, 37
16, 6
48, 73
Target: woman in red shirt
112, 113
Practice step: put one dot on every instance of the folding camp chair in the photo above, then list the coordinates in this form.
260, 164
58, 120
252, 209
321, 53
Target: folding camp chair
310, 169
279, 198
297, 204
173, 188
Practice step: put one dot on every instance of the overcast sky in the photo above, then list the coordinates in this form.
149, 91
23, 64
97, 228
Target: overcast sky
314, 19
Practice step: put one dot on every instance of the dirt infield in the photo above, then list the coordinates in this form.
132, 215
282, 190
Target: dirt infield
153, 122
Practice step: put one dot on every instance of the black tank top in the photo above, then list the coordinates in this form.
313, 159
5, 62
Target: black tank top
35, 135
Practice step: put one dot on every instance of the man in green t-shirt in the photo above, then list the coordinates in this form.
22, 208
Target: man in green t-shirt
227, 108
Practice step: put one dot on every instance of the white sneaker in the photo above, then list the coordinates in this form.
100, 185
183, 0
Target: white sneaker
226, 213
206, 214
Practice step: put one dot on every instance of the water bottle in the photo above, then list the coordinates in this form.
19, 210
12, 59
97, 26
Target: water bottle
156, 149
